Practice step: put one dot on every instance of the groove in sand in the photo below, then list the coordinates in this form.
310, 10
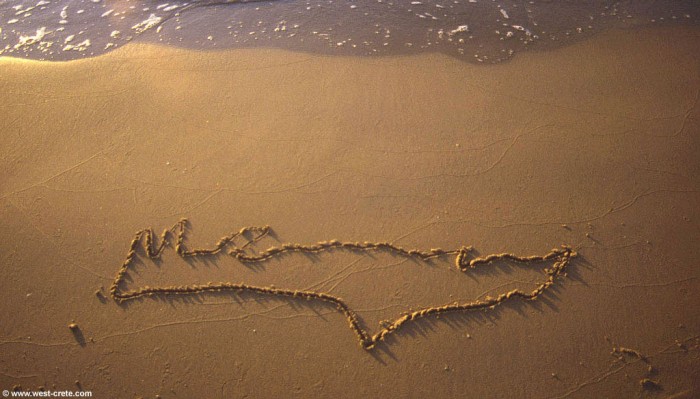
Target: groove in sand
562, 256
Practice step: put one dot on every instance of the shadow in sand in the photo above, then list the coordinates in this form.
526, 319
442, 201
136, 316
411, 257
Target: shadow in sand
414, 323
460, 318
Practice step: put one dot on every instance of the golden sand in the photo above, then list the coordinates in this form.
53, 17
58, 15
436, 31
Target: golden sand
594, 145
367, 340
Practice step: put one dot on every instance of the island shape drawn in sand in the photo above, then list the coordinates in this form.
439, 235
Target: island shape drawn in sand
561, 257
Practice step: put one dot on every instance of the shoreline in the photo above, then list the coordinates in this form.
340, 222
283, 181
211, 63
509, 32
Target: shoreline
479, 33
138, 47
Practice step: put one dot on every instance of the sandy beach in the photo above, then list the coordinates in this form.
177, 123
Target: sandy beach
593, 146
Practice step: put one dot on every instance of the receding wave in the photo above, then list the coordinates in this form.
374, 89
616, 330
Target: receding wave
474, 30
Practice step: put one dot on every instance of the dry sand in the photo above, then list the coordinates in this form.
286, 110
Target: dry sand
595, 146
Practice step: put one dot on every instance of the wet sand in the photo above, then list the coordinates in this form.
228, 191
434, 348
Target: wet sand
592, 146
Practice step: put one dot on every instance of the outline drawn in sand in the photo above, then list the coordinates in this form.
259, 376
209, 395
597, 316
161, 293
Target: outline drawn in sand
561, 257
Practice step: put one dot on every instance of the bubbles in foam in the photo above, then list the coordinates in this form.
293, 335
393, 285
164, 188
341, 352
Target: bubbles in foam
477, 31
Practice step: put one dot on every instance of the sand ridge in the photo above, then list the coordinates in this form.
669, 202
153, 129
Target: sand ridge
367, 340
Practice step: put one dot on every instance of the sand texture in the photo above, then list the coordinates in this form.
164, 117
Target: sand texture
403, 226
